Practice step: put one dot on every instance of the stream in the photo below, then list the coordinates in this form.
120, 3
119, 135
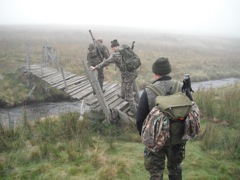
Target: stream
11, 117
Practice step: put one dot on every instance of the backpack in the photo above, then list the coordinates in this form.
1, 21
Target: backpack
192, 123
92, 51
130, 61
169, 108
155, 130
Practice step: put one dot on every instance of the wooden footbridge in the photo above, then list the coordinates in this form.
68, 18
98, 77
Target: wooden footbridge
82, 87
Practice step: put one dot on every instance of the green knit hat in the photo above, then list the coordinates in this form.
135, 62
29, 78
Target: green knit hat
114, 43
161, 66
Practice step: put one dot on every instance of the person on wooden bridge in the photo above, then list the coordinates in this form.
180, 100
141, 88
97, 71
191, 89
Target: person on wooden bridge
96, 54
126, 76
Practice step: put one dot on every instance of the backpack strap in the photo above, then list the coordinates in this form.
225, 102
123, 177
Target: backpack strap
159, 92
175, 86
155, 89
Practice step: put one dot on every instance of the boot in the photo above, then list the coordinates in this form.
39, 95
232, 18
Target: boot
175, 177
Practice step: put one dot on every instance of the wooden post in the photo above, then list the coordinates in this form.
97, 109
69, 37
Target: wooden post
45, 55
57, 63
31, 92
136, 89
28, 63
96, 87
63, 76
42, 67
56, 59
42, 59
81, 110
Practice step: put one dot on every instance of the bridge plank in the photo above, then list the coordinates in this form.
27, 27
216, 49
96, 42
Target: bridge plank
115, 103
60, 81
109, 99
84, 93
122, 106
79, 87
72, 81
56, 79
40, 73
106, 94
82, 89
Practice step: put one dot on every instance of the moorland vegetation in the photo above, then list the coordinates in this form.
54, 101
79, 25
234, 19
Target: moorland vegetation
203, 57
63, 147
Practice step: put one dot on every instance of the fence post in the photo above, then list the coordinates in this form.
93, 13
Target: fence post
96, 87
136, 89
28, 63
63, 76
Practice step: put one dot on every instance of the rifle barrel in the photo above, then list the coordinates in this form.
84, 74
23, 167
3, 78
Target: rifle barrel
91, 35
133, 45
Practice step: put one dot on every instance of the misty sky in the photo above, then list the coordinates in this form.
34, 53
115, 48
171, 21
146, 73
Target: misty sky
216, 17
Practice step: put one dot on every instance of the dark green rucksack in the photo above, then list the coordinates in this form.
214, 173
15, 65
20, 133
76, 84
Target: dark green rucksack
92, 51
130, 60
177, 107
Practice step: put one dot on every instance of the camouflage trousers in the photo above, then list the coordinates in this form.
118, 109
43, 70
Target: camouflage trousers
127, 91
155, 162
100, 77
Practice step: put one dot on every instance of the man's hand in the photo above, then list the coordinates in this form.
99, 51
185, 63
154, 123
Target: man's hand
92, 68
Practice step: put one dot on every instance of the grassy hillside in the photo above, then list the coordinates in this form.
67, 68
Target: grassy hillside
203, 57
65, 148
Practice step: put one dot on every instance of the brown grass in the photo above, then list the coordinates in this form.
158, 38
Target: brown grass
201, 56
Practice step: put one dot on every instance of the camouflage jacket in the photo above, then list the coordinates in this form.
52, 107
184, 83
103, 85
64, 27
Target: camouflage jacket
117, 59
94, 58
147, 102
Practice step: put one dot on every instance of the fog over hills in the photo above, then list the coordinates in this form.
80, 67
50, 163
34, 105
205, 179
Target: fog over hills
198, 17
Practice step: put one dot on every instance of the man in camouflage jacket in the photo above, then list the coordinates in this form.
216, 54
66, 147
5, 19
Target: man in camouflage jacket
174, 148
94, 58
127, 77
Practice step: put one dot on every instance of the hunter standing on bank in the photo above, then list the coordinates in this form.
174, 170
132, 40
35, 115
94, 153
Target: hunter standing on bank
126, 76
94, 58
174, 151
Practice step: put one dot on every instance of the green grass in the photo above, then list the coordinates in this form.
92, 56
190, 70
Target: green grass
125, 161
66, 148
15, 90
200, 164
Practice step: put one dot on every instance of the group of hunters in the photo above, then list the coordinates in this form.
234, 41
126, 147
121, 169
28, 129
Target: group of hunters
173, 151
127, 77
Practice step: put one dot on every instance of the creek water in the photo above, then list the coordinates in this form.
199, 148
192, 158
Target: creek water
13, 116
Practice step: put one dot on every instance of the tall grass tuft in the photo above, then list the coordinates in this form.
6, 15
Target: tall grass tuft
3, 143
221, 134
221, 140
205, 100
229, 106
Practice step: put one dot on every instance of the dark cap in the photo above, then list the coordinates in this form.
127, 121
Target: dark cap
161, 66
114, 43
